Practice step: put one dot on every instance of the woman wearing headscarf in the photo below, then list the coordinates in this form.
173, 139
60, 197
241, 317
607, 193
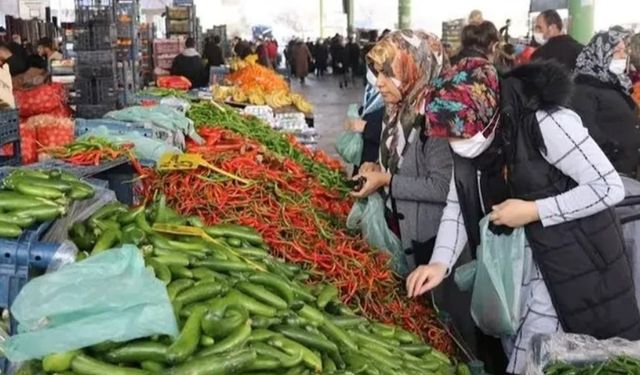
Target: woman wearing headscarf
413, 170
524, 160
603, 98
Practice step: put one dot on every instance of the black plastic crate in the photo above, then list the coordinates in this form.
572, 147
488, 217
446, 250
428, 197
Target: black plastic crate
89, 111
95, 64
94, 14
10, 135
94, 37
95, 90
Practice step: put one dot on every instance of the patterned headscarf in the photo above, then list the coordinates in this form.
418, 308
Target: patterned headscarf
411, 59
464, 99
595, 58
634, 51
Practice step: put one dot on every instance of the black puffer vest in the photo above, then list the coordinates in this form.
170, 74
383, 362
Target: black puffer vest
582, 261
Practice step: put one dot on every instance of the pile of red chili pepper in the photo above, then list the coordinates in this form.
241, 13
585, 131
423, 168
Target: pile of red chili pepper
301, 220
90, 151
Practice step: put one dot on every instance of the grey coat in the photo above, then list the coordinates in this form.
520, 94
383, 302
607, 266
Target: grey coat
419, 190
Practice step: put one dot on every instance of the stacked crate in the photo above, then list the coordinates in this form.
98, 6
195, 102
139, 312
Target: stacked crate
95, 83
164, 51
452, 33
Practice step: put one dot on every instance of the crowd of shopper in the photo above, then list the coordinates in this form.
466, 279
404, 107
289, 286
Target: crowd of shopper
543, 145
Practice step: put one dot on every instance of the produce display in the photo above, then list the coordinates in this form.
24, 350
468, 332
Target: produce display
255, 76
242, 311
619, 365
90, 151
300, 219
317, 163
30, 196
256, 96
173, 82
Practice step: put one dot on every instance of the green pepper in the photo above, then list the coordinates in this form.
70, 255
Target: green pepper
275, 283
201, 292
327, 293
234, 340
309, 358
83, 364
189, 338
161, 270
138, 351
106, 241
262, 294
58, 362
308, 339
219, 324
228, 363
178, 286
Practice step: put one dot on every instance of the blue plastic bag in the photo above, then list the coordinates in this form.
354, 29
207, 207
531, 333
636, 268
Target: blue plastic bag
107, 297
367, 215
349, 146
495, 301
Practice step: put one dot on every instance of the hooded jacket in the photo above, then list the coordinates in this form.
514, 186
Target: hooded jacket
582, 261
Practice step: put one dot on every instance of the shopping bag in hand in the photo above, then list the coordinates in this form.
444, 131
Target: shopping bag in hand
495, 301
349, 146
367, 215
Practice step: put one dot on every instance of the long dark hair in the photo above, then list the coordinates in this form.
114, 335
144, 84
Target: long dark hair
480, 37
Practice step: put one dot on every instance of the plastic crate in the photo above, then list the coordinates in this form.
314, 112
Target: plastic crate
91, 111
167, 47
95, 37
10, 135
124, 30
179, 26
164, 61
94, 14
95, 90
95, 64
178, 13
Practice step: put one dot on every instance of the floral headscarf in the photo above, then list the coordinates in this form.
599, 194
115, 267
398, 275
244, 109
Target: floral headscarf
464, 99
411, 59
595, 58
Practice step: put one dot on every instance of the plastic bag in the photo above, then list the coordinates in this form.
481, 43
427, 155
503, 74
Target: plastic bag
575, 349
145, 149
495, 301
181, 105
161, 115
349, 146
40, 100
367, 215
79, 211
107, 297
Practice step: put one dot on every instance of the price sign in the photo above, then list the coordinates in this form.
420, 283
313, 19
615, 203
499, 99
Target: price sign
174, 162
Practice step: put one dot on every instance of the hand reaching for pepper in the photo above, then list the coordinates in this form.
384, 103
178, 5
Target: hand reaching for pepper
373, 182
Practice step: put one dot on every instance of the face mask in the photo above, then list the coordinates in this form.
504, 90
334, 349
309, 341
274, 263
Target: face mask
474, 146
618, 66
539, 38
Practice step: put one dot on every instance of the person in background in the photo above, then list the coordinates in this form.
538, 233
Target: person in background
346, 61
213, 51
554, 44
337, 55
16, 46
353, 50
370, 122
603, 99
321, 56
47, 50
523, 160
263, 53
475, 17
241, 48
34, 60
272, 51
478, 40
17, 64
504, 32
189, 64
301, 56
311, 48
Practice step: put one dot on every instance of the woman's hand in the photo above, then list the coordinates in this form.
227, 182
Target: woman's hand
369, 167
374, 181
514, 213
355, 125
425, 278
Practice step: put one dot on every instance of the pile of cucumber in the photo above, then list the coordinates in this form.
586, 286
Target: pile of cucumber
241, 311
30, 196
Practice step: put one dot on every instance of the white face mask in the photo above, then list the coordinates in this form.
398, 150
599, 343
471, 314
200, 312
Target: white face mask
539, 38
618, 66
473, 147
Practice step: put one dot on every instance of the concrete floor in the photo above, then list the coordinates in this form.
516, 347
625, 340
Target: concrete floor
330, 106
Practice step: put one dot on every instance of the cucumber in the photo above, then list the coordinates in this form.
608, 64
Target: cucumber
41, 213
85, 365
8, 230
38, 191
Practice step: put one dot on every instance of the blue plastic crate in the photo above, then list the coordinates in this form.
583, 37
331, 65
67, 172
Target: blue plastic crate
10, 134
